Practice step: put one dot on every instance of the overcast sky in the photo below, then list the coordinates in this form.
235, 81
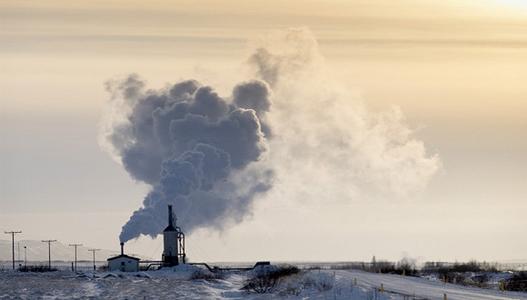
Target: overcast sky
455, 68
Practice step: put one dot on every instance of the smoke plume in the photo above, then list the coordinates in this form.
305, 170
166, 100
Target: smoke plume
212, 156
194, 148
327, 139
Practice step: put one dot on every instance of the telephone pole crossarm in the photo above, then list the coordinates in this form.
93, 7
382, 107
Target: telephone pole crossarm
75, 245
49, 251
93, 252
12, 233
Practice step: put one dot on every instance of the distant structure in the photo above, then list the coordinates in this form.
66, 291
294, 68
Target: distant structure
123, 262
173, 242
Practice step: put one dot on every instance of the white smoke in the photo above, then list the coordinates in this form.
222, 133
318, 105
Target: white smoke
204, 153
328, 144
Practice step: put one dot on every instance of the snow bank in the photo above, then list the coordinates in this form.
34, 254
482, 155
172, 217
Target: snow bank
184, 272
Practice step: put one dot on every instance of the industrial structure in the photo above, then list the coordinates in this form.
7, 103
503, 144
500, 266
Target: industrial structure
123, 262
173, 243
173, 250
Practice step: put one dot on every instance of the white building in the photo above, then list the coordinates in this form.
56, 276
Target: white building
173, 243
123, 262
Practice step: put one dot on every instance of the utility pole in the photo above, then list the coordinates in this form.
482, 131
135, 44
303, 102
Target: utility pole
49, 251
25, 256
93, 252
75, 245
12, 233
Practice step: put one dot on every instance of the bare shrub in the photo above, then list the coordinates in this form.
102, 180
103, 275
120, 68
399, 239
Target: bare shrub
261, 284
481, 280
267, 278
206, 275
320, 281
471, 266
291, 290
518, 282
38, 269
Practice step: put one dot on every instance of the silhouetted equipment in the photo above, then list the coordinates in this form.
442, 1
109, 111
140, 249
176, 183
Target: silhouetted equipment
93, 252
49, 250
75, 245
221, 269
173, 242
12, 233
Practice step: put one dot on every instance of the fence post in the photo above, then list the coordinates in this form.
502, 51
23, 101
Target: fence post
382, 288
445, 297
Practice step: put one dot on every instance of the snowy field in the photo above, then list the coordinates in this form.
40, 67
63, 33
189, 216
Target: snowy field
178, 284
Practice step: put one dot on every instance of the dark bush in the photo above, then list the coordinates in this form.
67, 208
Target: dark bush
518, 282
379, 266
348, 266
481, 280
461, 273
403, 267
266, 279
38, 269
103, 268
205, 275
471, 266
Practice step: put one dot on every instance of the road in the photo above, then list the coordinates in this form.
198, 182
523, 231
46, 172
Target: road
424, 288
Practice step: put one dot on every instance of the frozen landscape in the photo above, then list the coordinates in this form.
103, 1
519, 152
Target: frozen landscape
191, 282
279, 149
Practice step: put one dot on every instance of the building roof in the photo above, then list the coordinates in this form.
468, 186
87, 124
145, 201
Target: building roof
124, 256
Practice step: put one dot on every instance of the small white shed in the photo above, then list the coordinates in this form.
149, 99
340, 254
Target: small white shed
123, 263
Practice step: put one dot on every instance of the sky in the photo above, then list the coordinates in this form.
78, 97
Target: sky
455, 70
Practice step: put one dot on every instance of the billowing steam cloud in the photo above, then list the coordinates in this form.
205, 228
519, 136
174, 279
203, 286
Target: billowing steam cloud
191, 146
329, 147
208, 155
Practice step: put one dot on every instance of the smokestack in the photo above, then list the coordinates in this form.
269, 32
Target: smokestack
122, 248
170, 216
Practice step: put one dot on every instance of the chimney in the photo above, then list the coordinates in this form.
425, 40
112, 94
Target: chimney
170, 216
122, 248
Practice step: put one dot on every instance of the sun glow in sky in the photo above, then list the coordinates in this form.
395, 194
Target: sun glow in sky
500, 8
516, 3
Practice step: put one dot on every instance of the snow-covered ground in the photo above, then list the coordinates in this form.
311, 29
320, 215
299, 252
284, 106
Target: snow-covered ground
178, 284
424, 288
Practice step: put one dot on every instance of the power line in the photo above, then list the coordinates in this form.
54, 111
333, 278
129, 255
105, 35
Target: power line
93, 252
49, 251
75, 245
12, 233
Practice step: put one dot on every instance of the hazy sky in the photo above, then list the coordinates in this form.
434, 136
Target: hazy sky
457, 69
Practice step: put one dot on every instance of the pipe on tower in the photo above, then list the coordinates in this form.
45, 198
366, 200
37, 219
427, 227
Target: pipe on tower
170, 216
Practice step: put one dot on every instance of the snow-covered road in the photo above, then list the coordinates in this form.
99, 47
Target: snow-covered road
424, 288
